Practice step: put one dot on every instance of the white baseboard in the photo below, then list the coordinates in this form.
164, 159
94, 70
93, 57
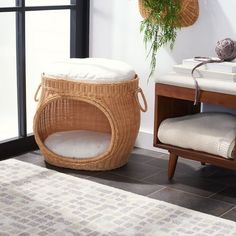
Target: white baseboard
145, 141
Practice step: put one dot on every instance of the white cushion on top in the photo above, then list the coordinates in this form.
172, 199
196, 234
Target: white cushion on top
204, 84
211, 132
78, 143
97, 70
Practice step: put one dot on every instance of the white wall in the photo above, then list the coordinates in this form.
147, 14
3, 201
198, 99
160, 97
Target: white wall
115, 34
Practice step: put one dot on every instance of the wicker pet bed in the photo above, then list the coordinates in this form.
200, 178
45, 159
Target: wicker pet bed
68, 105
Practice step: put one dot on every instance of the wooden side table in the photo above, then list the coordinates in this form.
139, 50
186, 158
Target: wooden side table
173, 101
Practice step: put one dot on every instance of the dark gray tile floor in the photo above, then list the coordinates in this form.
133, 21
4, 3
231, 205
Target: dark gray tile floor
207, 189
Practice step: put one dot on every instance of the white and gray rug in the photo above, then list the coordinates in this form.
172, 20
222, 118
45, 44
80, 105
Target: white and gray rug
38, 201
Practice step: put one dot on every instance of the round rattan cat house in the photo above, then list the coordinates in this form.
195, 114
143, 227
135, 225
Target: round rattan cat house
109, 108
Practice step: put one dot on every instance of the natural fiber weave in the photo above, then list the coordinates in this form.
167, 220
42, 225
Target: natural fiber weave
187, 15
71, 105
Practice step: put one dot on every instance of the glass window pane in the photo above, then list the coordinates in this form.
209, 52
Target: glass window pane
7, 3
8, 85
47, 40
46, 2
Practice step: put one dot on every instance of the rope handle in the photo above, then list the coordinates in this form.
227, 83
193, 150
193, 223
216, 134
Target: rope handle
143, 109
36, 93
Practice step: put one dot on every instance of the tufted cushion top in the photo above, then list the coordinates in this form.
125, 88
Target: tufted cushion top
211, 132
98, 70
204, 84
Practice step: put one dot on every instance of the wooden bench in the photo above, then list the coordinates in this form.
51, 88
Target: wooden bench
174, 96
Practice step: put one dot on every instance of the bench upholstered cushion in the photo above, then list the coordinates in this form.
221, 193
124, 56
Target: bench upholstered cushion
211, 132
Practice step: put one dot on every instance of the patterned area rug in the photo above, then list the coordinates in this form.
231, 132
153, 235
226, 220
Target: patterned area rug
38, 201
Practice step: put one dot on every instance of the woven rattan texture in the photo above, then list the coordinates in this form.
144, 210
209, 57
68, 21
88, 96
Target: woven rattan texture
187, 15
71, 105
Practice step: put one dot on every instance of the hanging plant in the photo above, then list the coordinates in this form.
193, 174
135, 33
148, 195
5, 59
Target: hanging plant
162, 19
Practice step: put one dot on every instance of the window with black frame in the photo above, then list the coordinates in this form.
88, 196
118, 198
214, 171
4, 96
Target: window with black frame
33, 34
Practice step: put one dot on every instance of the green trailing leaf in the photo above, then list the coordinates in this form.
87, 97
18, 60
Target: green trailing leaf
160, 27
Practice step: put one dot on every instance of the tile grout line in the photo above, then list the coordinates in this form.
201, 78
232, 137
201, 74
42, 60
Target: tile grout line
210, 196
234, 207
149, 176
156, 192
196, 195
179, 190
128, 177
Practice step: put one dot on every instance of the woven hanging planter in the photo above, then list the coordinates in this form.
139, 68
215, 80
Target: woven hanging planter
187, 15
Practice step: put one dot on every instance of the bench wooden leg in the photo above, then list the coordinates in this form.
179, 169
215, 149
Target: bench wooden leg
173, 158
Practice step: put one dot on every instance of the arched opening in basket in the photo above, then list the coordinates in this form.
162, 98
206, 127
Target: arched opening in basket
74, 128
